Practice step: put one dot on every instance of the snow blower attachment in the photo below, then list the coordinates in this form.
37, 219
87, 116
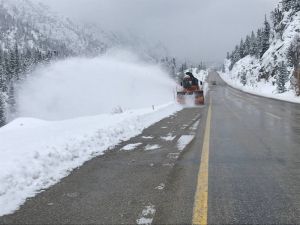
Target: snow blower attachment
190, 92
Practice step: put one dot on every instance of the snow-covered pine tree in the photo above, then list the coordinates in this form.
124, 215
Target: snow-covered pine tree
3, 85
259, 41
297, 76
293, 56
2, 74
228, 55
296, 5
276, 18
2, 110
201, 66
235, 56
292, 53
223, 68
265, 37
253, 45
173, 67
183, 67
247, 46
287, 4
15, 64
7, 67
243, 77
282, 78
242, 49
2, 80
11, 101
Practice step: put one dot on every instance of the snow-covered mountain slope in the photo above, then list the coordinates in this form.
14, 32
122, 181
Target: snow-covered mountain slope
251, 66
278, 50
36, 25
265, 74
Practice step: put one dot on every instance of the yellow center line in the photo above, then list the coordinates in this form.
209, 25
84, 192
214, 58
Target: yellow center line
201, 197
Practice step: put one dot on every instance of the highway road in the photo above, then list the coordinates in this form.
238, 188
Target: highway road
235, 160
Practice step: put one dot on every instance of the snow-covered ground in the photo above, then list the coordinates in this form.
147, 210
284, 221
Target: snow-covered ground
35, 154
72, 111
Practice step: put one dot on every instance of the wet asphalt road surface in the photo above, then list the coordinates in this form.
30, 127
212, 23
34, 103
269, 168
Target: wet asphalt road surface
254, 173
254, 170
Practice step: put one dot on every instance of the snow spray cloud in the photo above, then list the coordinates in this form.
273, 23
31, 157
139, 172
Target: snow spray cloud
89, 86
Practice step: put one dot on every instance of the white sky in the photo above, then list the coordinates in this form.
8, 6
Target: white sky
191, 29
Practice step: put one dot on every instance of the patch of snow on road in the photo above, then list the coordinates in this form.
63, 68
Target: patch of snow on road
161, 186
169, 137
184, 140
152, 147
147, 215
195, 126
173, 155
147, 137
130, 147
36, 154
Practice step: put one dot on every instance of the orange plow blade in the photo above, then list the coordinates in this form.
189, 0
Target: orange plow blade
194, 97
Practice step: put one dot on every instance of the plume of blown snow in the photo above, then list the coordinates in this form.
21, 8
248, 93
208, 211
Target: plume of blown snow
89, 86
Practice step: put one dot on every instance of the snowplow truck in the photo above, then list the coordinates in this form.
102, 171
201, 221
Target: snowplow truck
190, 91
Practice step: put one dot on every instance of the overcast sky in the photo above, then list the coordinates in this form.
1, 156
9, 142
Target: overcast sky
191, 29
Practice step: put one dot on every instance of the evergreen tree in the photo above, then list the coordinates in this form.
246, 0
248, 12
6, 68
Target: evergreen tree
293, 54
282, 78
228, 55
201, 66
11, 99
276, 17
2, 110
241, 49
15, 65
277, 20
2, 74
173, 67
296, 5
259, 41
7, 67
223, 68
235, 56
253, 45
287, 4
247, 46
265, 37
243, 77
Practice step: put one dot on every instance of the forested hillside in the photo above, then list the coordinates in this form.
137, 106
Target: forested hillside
267, 60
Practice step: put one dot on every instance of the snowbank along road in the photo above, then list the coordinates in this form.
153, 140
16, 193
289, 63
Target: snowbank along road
234, 161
